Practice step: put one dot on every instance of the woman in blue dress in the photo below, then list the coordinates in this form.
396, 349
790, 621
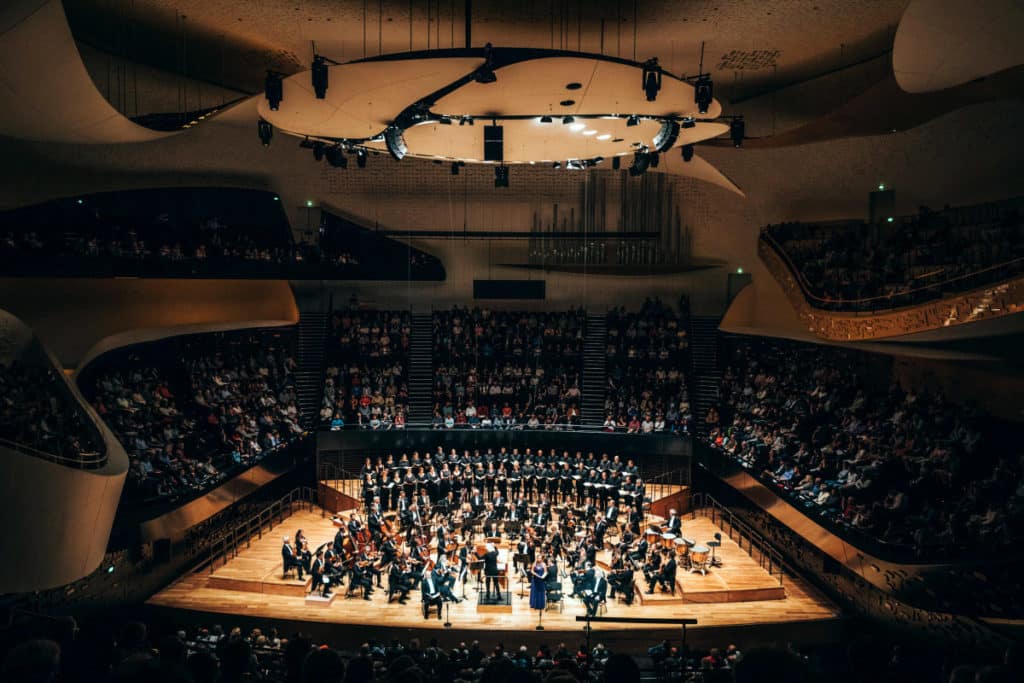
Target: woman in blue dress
538, 585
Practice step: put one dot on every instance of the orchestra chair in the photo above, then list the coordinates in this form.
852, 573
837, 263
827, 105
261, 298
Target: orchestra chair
291, 572
553, 595
714, 545
436, 606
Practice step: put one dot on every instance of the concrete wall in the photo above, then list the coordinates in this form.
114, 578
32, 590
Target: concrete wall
57, 518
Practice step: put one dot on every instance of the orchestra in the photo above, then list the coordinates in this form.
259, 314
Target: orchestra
435, 521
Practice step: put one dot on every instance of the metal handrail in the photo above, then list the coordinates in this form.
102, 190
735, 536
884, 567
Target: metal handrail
769, 558
830, 303
226, 546
345, 481
89, 460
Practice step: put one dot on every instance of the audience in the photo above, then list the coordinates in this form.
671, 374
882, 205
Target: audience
907, 468
38, 413
911, 259
367, 356
206, 655
646, 354
507, 369
192, 411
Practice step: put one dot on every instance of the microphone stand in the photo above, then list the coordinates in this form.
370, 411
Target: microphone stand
447, 615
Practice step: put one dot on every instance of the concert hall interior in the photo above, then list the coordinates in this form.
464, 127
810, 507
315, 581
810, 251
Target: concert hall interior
487, 341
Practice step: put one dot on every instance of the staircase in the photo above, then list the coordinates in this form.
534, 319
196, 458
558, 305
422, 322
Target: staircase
705, 375
594, 371
309, 375
421, 369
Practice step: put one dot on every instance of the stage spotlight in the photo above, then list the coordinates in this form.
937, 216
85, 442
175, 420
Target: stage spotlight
455, 168
616, 163
501, 176
395, 142
319, 76
703, 93
545, 119
667, 136
655, 159
266, 131
633, 121
445, 121
336, 157
318, 150
737, 131
687, 152
566, 120
689, 123
641, 161
557, 164
273, 90
651, 79
361, 158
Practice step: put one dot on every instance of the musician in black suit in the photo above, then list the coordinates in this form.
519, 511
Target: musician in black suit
674, 525
376, 523
290, 559
622, 581
444, 582
491, 571
339, 541
599, 532
398, 583
612, 514
596, 596
666, 576
320, 578
431, 595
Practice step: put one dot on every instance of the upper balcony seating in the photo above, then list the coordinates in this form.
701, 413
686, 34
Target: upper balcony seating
852, 266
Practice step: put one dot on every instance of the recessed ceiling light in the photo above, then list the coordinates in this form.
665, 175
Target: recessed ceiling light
573, 86
577, 126
590, 132
567, 103
604, 136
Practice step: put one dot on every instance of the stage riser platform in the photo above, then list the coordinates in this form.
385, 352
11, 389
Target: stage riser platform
738, 593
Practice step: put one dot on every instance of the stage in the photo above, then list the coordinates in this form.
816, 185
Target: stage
737, 597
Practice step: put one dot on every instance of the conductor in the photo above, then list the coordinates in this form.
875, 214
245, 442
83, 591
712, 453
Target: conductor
490, 558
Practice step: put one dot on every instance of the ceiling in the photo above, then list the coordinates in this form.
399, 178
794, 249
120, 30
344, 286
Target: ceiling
750, 45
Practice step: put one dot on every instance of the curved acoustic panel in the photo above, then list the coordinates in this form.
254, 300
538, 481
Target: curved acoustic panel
944, 43
67, 511
699, 168
46, 94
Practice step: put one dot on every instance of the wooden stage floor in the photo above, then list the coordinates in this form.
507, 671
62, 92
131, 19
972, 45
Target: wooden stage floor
740, 594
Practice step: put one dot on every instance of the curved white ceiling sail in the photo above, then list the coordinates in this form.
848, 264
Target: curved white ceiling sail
47, 95
571, 85
940, 44
698, 168
362, 98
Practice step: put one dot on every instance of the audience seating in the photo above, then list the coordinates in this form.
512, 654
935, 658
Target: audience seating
367, 368
39, 414
646, 357
191, 411
507, 369
909, 470
851, 266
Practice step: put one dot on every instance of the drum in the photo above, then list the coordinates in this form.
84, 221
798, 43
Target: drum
653, 536
668, 541
682, 548
699, 555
